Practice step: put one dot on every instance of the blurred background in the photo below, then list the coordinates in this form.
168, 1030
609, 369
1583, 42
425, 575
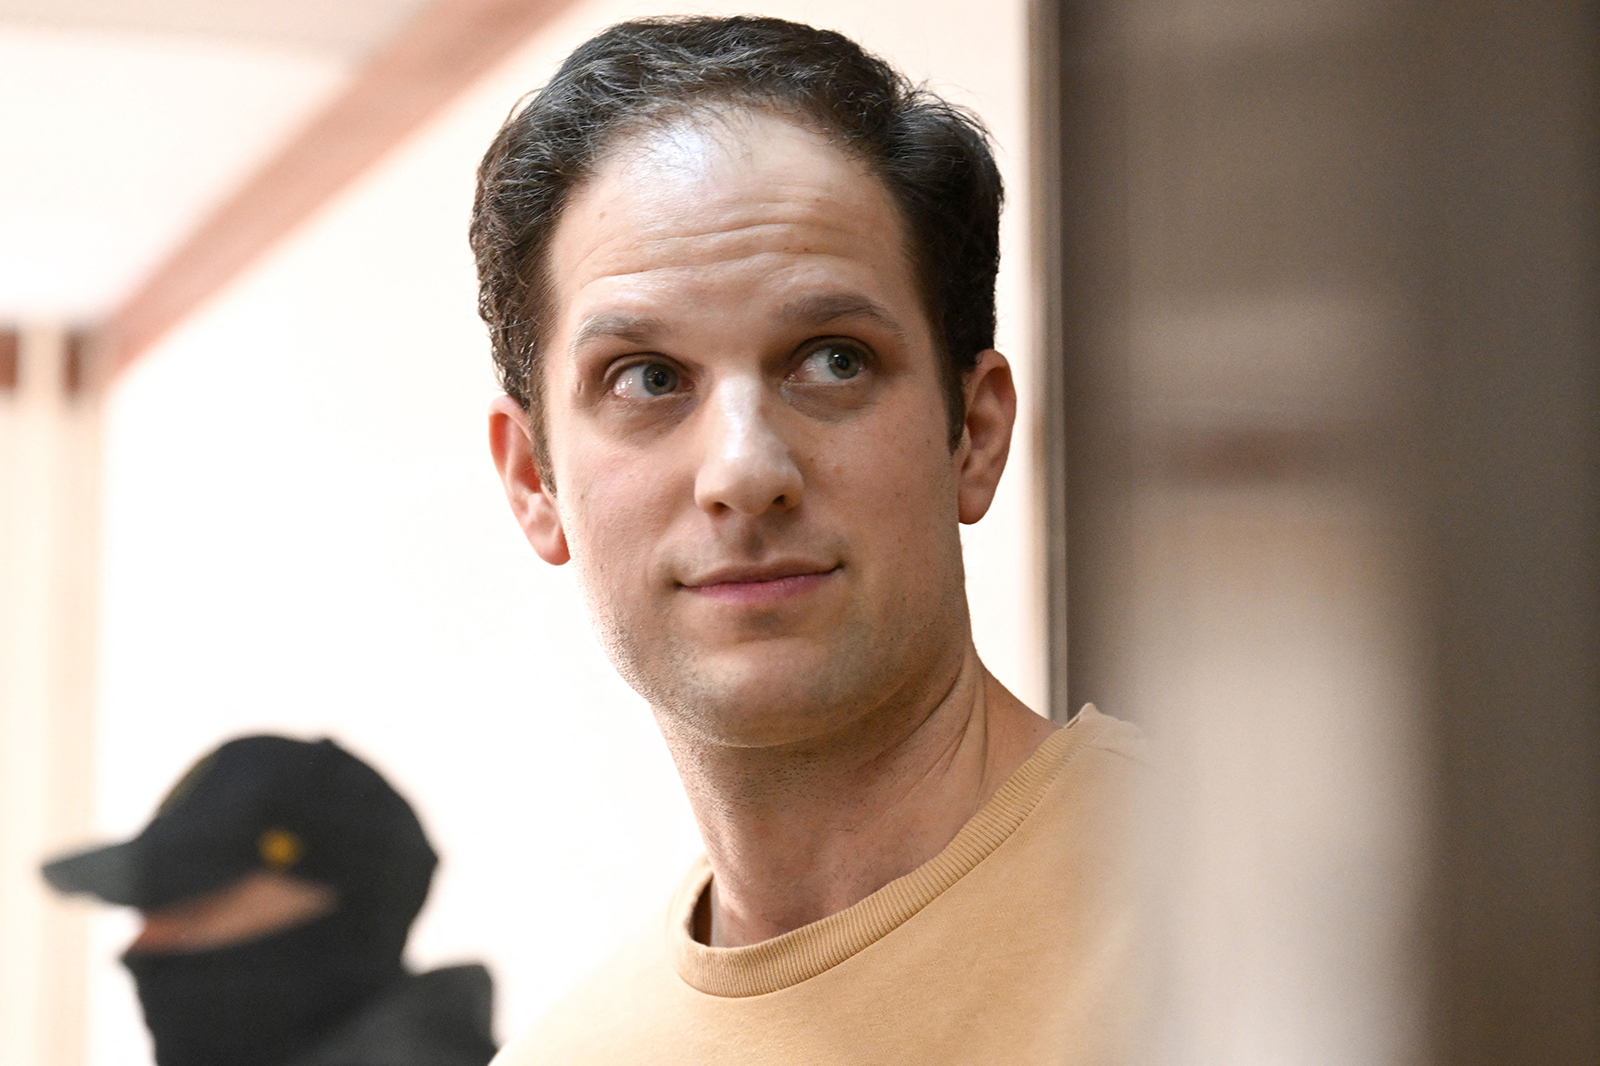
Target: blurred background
1304, 299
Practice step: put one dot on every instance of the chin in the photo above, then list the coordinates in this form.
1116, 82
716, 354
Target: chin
765, 694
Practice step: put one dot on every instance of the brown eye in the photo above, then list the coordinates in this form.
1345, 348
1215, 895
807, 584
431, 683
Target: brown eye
843, 362
659, 380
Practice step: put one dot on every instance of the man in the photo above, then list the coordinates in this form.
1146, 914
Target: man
739, 279
278, 882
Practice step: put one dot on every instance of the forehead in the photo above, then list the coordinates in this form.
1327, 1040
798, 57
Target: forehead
723, 200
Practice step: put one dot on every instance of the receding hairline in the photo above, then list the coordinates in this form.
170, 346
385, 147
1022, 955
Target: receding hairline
820, 306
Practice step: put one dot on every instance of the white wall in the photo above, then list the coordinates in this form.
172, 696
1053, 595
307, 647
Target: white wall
112, 141
304, 534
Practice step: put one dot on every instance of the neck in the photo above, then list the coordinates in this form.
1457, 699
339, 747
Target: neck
797, 833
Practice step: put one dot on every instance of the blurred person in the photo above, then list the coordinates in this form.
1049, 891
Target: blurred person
739, 281
277, 883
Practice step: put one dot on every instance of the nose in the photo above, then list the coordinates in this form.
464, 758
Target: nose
747, 467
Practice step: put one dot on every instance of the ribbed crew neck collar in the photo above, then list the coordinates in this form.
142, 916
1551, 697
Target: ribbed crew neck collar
808, 951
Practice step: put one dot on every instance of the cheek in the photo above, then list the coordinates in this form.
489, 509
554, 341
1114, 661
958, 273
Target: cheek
904, 488
613, 511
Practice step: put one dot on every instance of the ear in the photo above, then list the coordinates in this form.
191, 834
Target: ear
533, 504
986, 438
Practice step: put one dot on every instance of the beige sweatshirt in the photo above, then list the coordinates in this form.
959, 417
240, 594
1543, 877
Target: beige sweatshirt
1014, 945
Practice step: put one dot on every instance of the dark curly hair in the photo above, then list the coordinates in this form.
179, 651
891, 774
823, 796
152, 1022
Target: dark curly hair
932, 156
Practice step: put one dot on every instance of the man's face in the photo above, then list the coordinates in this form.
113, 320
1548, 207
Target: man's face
747, 434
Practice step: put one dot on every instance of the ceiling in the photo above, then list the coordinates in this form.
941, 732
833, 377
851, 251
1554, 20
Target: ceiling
346, 27
123, 123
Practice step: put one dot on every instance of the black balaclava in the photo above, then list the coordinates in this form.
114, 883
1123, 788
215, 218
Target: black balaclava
310, 810
263, 1002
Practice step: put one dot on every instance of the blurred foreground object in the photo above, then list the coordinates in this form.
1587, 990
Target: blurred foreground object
278, 882
1324, 428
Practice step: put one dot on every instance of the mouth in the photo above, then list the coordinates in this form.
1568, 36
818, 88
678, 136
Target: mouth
760, 584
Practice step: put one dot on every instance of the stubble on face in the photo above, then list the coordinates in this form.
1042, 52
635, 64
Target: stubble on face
709, 252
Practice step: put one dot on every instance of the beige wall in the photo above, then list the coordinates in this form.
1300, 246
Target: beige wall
49, 454
303, 533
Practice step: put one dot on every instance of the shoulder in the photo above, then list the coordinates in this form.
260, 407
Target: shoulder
438, 1018
1112, 736
1083, 819
1092, 753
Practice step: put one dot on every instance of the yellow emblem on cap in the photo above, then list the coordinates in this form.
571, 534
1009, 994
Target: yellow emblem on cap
279, 848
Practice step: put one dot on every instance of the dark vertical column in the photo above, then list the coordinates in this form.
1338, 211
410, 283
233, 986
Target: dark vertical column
1323, 290
1078, 87
1512, 410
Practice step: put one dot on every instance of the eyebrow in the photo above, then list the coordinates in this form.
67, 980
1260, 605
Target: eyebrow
815, 309
823, 307
635, 329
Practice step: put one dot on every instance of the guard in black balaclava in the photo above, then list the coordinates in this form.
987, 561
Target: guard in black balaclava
261, 1002
324, 987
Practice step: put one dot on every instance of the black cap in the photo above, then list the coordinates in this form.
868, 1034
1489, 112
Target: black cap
308, 808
